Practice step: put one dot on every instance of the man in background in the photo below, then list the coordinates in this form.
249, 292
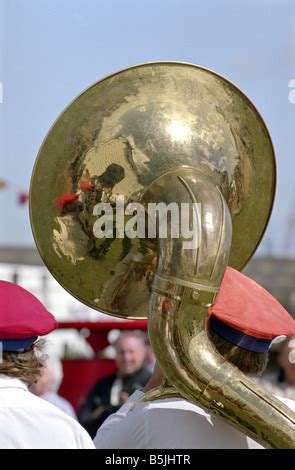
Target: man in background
282, 382
110, 392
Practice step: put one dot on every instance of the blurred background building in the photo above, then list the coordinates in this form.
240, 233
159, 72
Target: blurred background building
24, 266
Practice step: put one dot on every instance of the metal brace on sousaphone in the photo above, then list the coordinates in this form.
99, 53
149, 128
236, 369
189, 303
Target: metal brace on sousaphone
161, 133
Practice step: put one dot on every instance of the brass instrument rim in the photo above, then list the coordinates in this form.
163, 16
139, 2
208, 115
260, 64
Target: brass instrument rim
110, 76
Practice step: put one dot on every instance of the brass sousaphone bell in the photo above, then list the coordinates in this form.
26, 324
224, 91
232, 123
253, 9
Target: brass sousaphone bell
162, 133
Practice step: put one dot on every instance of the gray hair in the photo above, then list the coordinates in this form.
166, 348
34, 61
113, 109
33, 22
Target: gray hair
138, 334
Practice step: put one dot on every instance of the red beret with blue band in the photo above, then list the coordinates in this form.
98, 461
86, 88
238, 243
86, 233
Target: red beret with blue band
22, 318
247, 315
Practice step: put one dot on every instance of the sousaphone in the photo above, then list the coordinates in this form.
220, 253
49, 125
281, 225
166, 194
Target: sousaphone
162, 133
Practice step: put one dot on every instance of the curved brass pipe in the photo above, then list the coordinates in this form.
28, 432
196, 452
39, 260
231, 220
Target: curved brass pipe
185, 284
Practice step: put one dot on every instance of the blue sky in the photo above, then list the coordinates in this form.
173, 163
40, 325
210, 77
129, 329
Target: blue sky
50, 50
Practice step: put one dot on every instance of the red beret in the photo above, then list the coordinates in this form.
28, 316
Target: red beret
65, 199
86, 185
22, 315
245, 306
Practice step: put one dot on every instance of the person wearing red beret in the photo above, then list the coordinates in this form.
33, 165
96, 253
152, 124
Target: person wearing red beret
27, 421
241, 324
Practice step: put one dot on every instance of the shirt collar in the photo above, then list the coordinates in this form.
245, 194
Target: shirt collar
11, 382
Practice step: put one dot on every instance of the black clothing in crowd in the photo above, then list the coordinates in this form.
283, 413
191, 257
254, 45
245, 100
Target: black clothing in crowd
100, 395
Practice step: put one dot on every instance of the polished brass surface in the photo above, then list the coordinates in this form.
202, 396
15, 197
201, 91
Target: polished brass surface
120, 135
163, 132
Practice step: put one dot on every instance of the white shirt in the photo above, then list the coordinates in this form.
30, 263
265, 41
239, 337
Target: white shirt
59, 401
169, 424
29, 422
